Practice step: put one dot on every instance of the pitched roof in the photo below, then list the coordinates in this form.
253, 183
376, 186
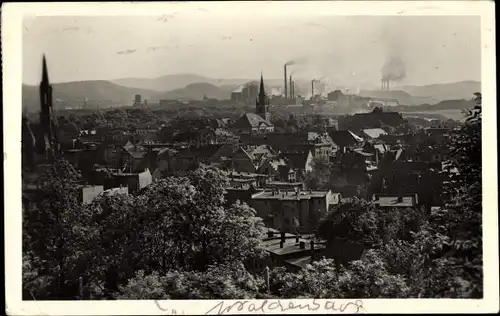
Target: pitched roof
250, 120
374, 132
382, 148
344, 138
225, 151
297, 160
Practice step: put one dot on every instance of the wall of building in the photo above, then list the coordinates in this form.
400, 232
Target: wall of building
91, 192
307, 211
145, 179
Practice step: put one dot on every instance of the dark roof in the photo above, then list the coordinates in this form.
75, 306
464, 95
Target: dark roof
297, 160
225, 151
343, 138
136, 154
250, 120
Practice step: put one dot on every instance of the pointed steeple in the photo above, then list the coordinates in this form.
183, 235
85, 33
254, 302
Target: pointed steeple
45, 73
262, 90
46, 115
263, 101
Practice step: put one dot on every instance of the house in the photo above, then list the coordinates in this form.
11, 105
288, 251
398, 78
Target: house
321, 145
395, 200
133, 181
373, 133
247, 179
251, 158
90, 192
133, 158
301, 162
292, 211
345, 139
356, 166
271, 167
438, 135
290, 250
250, 123
287, 174
375, 119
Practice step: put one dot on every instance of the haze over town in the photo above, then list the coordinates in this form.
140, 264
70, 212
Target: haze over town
345, 50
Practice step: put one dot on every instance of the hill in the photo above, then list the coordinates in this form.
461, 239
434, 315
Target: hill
74, 93
195, 91
445, 91
173, 82
443, 105
403, 97
179, 81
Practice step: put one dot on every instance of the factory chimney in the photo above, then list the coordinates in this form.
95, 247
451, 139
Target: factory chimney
291, 96
387, 84
286, 90
312, 89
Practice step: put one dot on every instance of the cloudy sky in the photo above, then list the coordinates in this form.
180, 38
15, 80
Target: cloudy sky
348, 49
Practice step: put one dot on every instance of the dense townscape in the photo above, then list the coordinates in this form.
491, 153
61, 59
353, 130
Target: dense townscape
148, 203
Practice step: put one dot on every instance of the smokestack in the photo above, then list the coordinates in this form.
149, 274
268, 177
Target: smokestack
286, 90
312, 88
388, 81
291, 96
293, 89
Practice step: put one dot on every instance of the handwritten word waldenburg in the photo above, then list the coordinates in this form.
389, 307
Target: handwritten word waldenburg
266, 306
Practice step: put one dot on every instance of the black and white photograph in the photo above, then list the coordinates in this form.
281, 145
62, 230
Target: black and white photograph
253, 156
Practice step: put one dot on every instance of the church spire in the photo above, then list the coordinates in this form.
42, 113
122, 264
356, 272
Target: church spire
45, 73
262, 106
262, 90
46, 114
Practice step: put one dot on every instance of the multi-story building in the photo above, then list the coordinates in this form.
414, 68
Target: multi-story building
292, 211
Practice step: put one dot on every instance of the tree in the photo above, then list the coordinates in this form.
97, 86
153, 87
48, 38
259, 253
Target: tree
316, 280
357, 221
319, 178
51, 224
369, 278
189, 226
226, 281
449, 244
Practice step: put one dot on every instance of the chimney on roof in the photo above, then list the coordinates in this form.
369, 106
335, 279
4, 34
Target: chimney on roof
400, 198
283, 237
270, 234
281, 244
302, 245
297, 238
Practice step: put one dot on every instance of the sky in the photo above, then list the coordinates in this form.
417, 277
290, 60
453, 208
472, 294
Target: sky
347, 49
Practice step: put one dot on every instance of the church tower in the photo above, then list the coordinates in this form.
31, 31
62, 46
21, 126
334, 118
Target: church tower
262, 104
50, 146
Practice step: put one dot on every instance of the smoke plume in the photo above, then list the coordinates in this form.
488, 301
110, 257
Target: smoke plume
296, 61
394, 69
